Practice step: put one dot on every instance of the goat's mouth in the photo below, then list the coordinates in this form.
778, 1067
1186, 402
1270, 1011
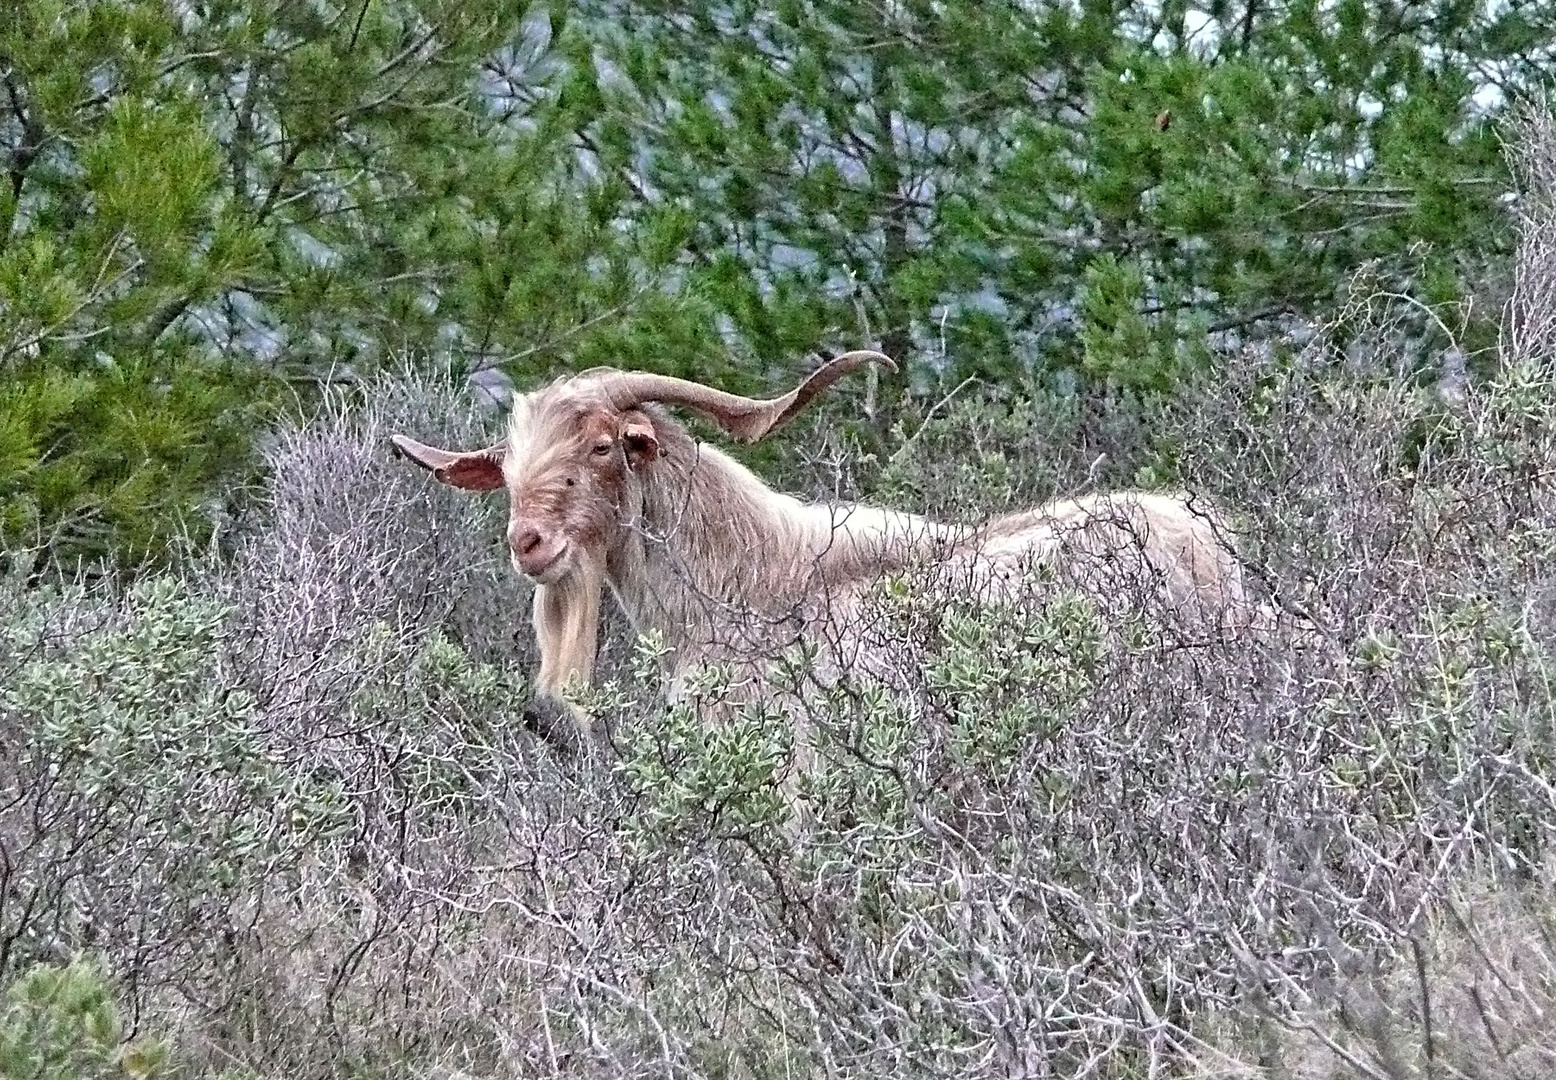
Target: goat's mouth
544, 567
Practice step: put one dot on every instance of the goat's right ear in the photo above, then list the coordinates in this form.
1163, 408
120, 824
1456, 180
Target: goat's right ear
637, 433
475, 470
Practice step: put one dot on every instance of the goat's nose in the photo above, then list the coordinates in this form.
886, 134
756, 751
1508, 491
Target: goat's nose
523, 538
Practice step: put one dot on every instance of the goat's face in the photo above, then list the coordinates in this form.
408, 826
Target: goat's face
571, 470
570, 464
575, 451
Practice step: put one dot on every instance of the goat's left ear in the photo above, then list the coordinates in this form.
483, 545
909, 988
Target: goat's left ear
637, 434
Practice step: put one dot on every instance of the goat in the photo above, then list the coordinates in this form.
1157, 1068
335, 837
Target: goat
606, 489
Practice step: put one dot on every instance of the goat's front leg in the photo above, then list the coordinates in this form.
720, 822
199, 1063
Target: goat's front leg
567, 628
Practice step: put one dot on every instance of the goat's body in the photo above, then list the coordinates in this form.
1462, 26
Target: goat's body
1179, 541
728, 570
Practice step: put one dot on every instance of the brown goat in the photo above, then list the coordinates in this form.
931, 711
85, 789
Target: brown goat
606, 489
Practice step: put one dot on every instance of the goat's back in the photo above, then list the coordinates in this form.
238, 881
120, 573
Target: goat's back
1134, 546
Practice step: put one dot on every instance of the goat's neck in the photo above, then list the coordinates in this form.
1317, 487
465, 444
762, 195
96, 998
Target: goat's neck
714, 545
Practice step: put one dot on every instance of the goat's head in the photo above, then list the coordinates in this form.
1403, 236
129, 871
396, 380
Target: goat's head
576, 451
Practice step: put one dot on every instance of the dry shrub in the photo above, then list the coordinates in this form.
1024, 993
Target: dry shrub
1529, 330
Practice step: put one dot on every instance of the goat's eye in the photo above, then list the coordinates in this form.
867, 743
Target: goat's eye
602, 448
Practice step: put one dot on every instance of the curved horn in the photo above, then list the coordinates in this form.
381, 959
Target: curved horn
747, 419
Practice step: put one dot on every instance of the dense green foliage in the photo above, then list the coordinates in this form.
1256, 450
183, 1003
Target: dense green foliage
206, 202
208, 208
1105, 188
62, 1023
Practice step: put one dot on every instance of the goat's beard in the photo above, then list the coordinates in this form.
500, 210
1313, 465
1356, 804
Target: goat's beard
567, 624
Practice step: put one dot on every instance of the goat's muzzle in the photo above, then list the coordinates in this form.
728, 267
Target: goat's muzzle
537, 553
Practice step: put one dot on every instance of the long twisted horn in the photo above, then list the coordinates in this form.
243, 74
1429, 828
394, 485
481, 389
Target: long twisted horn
747, 419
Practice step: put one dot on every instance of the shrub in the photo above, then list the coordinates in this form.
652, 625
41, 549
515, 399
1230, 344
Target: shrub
61, 1023
142, 794
291, 799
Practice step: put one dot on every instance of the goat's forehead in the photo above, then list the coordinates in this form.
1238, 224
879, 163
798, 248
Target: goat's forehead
551, 418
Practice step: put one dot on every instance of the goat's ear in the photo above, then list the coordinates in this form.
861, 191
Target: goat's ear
476, 470
638, 435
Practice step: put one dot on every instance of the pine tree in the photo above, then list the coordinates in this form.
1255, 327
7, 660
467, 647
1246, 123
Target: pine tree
1113, 190
208, 206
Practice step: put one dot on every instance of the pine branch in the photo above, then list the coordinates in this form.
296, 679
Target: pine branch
32, 139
